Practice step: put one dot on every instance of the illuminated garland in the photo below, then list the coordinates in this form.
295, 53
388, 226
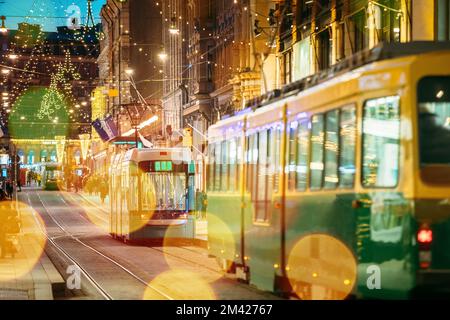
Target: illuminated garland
60, 89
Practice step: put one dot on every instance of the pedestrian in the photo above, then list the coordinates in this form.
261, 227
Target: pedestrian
19, 185
198, 203
103, 191
76, 184
3, 222
204, 204
9, 189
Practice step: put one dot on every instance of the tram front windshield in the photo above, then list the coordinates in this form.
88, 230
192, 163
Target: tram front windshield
164, 191
434, 124
52, 174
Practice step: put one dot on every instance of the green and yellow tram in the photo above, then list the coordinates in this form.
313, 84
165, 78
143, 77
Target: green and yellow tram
339, 185
52, 177
152, 195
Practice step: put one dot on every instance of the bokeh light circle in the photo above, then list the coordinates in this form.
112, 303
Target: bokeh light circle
219, 236
321, 267
179, 284
28, 241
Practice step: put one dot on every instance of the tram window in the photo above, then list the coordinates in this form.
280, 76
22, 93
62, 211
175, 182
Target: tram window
347, 147
434, 122
381, 142
316, 165
260, 192
217, 166
232, 157
166, 190
133, 191
210, 167
292, 155
247, 159
252, 162
302, 155
276, 153
331, 149
239, 162
263, 191
225, 163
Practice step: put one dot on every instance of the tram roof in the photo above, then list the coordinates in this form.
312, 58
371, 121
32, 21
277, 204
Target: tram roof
345, 71
382, 52
138, 155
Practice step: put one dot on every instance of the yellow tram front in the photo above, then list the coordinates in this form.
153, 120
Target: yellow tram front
153, 195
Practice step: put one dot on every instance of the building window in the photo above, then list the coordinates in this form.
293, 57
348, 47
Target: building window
390, 30
443, 20
361, 36
287, 67
324, 39
305, 11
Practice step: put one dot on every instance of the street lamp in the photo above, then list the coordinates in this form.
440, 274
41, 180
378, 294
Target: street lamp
173, 27
129, 71
3, 28
162, 56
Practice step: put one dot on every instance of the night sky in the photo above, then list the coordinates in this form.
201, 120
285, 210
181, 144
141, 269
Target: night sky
50, 13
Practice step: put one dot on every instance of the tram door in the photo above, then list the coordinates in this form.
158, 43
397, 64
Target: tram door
190, 201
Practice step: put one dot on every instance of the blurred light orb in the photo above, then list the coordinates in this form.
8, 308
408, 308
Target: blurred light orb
24, 245
321, 267
179, 284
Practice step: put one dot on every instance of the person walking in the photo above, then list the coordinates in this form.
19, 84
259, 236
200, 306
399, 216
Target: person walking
9, 189
204, 204
3, 223
103, 191
198, 203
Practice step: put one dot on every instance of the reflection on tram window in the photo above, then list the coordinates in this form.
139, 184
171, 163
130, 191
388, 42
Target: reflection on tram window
381, 130
331, 149
302, 155
434, 120
348, 145
168, 189
316, 165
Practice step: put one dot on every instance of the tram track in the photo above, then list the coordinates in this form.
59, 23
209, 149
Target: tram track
68, 235
161, 250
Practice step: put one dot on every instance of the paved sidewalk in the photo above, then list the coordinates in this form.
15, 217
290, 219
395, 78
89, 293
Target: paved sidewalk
29, 274
201, 226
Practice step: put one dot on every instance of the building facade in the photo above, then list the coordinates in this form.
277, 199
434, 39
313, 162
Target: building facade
130, 74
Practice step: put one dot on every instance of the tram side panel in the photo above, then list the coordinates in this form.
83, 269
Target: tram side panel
224, 208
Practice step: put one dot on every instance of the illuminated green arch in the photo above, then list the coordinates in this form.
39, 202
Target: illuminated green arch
24, 122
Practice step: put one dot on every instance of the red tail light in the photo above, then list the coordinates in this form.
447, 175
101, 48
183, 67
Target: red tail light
425, 236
